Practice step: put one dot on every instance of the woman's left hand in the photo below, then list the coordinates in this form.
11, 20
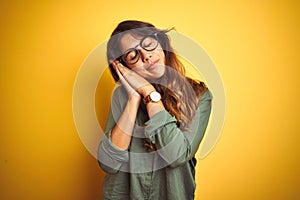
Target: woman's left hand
141, 85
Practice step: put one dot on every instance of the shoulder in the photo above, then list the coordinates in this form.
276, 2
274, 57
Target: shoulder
119, 95
120, 91
201, 90
206, 95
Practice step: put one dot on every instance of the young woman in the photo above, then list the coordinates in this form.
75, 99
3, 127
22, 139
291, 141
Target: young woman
157, 118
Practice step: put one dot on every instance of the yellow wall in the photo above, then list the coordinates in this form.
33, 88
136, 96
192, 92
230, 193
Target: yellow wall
254, 44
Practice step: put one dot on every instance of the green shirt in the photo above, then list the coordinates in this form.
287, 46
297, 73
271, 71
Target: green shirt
168, 172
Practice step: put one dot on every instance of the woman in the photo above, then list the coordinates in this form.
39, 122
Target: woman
157, 119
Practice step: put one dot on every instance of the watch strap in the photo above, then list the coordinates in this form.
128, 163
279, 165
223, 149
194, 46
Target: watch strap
147, 99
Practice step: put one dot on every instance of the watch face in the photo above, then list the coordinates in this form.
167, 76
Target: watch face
155, 96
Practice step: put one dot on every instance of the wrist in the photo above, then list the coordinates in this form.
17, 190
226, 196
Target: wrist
146, 90
135, 99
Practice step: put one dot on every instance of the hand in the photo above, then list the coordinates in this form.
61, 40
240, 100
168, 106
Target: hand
132, 93
135, 81
137, 86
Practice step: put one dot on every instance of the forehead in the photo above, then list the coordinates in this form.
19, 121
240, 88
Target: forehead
129, 40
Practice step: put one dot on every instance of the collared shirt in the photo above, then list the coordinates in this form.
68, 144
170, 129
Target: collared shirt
167, 173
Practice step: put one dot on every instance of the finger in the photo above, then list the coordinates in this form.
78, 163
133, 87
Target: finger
119, 74
122, 68
115, 64
125, 83
122, 78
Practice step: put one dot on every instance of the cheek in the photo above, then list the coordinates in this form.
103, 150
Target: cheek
135, 65
163, 59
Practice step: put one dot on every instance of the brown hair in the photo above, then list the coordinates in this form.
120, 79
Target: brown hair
180, 94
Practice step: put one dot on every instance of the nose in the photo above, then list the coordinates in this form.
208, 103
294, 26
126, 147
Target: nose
145, 55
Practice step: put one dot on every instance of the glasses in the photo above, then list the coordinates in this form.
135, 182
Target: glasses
132, 55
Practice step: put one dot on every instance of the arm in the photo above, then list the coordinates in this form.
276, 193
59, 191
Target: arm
175, 146
110, 157
122, 131
112, 151
113, 148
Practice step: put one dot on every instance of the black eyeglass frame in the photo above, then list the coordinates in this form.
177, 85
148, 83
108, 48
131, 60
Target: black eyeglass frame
122, 57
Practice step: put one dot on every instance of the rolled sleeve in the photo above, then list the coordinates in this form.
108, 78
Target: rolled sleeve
111, 158
158, 121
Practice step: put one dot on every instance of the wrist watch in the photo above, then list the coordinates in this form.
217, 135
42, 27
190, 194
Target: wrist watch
153, 97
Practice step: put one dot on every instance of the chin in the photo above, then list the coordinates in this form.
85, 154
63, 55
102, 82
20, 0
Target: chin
159, 73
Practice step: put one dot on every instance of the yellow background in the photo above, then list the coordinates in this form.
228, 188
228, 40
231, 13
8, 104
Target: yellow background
254, 44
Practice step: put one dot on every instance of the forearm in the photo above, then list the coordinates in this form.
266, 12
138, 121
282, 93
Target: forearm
122, 132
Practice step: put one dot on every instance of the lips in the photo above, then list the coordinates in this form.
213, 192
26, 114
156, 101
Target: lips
152, 65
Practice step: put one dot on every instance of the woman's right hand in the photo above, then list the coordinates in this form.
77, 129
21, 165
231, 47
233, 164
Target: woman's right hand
136, 81
132, 93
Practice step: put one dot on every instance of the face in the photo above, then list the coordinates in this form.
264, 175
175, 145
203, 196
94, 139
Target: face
147, 58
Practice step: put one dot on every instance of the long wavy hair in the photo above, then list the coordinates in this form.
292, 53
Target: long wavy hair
180, 94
